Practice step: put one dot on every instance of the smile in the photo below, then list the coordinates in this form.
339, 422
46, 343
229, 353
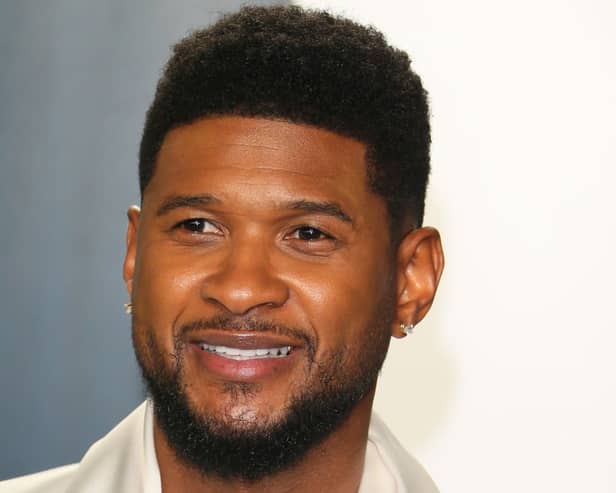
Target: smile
246, 354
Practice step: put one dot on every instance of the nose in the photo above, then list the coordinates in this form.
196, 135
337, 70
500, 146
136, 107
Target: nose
245, 280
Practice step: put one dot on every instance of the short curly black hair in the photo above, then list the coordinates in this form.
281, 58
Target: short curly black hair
308, 67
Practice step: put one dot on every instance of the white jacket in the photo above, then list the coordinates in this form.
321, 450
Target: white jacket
124, 461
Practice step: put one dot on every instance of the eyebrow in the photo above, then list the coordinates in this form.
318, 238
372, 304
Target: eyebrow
328, 208
179, 201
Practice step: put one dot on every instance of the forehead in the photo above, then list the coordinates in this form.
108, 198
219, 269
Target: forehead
269, 156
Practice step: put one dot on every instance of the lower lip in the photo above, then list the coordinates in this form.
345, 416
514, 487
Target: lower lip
243, 370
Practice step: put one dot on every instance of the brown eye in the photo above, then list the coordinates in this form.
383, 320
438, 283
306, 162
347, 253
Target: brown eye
198, 226
308, 233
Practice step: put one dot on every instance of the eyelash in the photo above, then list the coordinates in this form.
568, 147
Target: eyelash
197, 220
323, 235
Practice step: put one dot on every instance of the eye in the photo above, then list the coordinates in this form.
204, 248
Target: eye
308, 233
198, 226
311, 241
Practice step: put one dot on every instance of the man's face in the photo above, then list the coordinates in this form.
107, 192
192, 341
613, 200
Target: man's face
260, 270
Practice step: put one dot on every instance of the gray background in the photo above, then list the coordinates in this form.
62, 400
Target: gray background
77, 77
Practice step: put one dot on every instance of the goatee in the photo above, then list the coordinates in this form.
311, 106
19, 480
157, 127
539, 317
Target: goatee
214, 447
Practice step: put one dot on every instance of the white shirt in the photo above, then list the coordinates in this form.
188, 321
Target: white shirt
124, 461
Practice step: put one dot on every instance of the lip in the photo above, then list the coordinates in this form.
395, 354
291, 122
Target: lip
244, 340
244, 370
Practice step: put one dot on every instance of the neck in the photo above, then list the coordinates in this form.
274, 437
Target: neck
335, 465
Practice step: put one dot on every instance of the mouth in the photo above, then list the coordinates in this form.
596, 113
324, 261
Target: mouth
239, 354
246, 356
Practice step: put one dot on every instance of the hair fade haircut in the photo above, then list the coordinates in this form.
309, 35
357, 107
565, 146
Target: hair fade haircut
307, 67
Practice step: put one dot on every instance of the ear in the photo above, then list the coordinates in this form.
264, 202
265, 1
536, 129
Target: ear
420, 263
131, 248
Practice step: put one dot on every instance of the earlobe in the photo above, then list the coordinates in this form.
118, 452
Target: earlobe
420, 263
131, 248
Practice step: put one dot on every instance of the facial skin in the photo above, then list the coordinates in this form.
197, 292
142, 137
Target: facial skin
257, 234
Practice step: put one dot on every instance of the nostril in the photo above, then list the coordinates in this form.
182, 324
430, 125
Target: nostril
239, 293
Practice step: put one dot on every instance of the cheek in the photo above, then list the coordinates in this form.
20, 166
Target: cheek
163, 285
340, 303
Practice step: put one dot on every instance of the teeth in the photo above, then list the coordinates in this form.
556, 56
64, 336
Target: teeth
241, 354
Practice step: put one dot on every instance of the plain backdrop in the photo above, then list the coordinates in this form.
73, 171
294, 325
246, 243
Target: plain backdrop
508, 385
77, 77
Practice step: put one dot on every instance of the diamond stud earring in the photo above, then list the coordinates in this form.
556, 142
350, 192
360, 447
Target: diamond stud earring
128, 308
407, 328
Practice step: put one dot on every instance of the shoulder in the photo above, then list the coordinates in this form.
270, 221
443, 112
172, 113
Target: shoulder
114, 463
51, 481
401, 465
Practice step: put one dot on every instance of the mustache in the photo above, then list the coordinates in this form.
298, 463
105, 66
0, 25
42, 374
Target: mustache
249, 324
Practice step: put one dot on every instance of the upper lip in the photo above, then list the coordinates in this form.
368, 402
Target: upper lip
243, 340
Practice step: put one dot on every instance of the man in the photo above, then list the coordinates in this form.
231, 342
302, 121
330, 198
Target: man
278, 248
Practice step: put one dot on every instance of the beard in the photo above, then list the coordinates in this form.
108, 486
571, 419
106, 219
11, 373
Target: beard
214, 446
